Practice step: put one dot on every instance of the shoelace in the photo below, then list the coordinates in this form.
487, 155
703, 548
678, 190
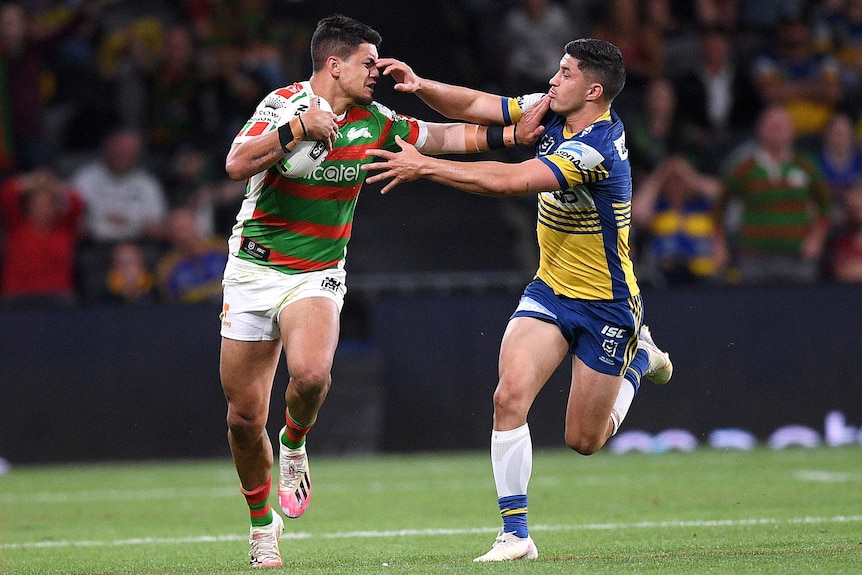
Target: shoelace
263, 549
294, 470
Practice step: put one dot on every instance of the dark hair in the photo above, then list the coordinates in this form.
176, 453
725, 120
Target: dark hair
600, 61
340, 36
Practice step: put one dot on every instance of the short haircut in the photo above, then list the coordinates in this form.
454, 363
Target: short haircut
340, 36
601, 62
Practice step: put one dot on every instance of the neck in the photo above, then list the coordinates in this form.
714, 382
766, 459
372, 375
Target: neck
326, 87
579, 120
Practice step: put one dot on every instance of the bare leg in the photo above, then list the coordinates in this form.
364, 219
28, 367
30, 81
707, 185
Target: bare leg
247, 372
588, 413
310, 329
530, 352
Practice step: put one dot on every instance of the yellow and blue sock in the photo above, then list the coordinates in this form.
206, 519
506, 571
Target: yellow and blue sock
513, 510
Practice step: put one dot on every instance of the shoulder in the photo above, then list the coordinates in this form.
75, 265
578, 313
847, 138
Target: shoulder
378, 110
580, 153
602, 141
281, 97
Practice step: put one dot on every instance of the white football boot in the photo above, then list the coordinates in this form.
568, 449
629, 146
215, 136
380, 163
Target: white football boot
510, 547
264, 544
660, 368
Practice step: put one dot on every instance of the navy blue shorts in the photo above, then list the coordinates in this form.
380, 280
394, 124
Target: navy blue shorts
603, 334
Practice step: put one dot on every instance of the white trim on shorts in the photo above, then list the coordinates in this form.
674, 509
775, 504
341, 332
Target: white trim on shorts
254, 295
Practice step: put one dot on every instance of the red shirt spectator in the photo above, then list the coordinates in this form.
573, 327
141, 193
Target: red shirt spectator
41, 220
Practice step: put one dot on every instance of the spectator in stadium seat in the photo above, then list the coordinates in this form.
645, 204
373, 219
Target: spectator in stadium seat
718, 99
785, 205
584, 301
674, 205
839, 157
627, 25
793, 75
27, 44
845, 251
129, 279
125, 200
41, 215
532, 30
170, 94
192, 268
654, 130
838, 32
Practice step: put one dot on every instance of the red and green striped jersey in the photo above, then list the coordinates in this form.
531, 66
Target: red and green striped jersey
301, 225
780, 201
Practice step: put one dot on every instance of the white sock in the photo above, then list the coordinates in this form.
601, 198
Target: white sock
622, 404
512, 460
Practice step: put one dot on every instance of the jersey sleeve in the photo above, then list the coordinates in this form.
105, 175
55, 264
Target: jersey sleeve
514, 108
276, 108
410, 129
576, 162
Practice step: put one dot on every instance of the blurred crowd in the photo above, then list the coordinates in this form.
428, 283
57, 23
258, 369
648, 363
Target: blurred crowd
743, 121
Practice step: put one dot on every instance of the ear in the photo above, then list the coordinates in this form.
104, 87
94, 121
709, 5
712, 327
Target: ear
595, 92
333, 65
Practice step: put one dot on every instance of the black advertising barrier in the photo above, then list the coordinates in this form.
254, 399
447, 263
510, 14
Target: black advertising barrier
117, 383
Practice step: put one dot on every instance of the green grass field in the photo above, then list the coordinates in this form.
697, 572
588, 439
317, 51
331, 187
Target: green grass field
793, 511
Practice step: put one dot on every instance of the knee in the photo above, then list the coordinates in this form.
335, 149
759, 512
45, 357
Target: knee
583, 444
245, 426
310, 381
511, 400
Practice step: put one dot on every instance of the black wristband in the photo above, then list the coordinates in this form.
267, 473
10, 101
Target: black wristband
285, 136
494, 137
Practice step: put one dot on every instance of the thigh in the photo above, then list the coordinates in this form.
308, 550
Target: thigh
530, 352
247, 369
591, 399
309, 332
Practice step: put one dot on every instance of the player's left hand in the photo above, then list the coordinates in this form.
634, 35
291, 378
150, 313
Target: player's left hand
398, 167
406, 80
529, 128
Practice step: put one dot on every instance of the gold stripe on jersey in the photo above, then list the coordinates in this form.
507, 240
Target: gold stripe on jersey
573, 259
577, 221
576, 175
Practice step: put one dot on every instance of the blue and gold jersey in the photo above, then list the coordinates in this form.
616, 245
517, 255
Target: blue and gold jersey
583, 227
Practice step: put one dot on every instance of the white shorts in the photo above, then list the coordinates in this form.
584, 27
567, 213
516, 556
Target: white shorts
254, 296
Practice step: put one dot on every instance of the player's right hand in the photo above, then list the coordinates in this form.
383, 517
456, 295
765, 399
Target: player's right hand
406, 80
319, 124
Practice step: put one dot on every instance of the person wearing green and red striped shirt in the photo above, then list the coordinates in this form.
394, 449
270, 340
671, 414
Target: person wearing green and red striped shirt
785, 205
284, 283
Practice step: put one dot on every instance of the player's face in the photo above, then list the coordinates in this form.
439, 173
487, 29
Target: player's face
359, 74
569, 87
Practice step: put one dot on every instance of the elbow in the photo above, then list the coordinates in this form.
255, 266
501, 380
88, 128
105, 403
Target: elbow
234, 170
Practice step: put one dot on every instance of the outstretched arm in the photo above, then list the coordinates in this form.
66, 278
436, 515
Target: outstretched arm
456, 102
471, 138
482, 178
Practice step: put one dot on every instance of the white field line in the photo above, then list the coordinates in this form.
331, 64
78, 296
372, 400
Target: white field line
50, 497
714, 523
